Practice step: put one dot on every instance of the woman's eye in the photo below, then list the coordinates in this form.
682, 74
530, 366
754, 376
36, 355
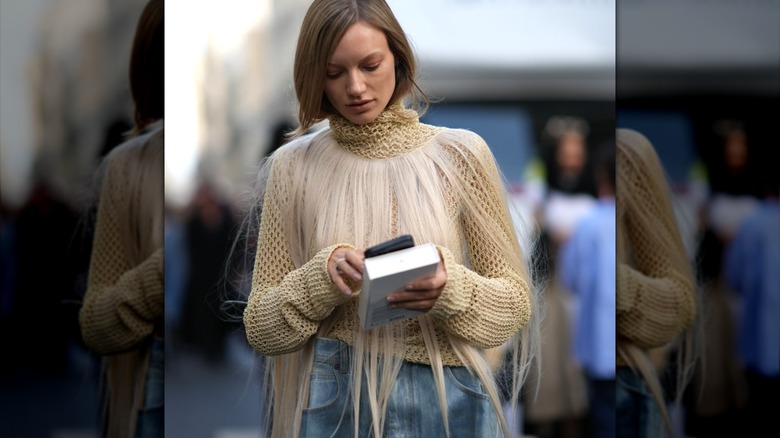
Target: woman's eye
372, 67
333, 74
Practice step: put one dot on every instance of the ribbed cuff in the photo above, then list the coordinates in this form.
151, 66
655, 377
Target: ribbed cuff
452, 300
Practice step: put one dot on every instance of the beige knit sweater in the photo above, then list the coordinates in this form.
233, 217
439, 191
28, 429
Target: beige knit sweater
124, 299
655, 287
485, 303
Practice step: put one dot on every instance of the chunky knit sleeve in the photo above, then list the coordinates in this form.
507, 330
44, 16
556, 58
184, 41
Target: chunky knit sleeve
489, 302
122, 302
286, 303
655, 287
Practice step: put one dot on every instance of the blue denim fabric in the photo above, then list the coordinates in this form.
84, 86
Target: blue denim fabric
638, 415
601, 397
150, 417
413, 409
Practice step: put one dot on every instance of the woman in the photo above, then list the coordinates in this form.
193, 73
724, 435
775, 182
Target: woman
376, 173
656, 299
122, 314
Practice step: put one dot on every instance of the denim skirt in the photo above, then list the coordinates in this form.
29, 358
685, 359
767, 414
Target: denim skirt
413, 409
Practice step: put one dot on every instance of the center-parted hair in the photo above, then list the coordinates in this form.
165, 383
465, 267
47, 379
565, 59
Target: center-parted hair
323, 27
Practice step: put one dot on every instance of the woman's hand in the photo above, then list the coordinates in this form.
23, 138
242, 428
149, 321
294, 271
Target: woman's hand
345, 266
421, 294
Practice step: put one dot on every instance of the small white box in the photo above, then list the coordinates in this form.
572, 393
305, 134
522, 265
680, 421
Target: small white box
388, 273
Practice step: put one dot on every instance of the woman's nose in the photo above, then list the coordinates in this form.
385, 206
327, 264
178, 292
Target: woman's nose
356, 85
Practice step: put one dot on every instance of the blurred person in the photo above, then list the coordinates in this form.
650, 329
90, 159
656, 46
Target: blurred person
558, 410
715, 403
122, 312
734, 179
752, 259
42, 236
7, 274
715, 399
7, 262
734, 171
375, 173
569, 164
655, 297
588, 270
207, 229
570, 191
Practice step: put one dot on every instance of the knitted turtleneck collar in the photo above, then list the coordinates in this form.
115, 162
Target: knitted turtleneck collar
395, 132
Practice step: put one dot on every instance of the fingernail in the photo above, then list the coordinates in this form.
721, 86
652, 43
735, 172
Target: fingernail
356, 276
409, 287
347, 292
390, 298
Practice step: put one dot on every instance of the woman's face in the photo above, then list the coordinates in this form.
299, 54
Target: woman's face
571, 152
360, 77
736, 150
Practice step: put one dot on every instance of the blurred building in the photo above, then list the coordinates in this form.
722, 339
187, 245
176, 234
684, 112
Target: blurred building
240, 75
78, 81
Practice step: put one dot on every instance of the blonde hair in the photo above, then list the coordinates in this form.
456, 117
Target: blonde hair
634, 151
324, 24
424, 182
142, 220
141, 224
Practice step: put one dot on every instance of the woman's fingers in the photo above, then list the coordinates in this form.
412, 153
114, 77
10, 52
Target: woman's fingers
421, 306
414, 300
420, 303
421, 294
345, 263
340, 284
351, 265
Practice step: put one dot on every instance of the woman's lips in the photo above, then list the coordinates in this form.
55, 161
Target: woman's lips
360, 106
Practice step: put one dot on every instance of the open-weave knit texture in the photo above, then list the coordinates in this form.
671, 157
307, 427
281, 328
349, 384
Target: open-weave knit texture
484, 303
124, 301
388, 136
655, 293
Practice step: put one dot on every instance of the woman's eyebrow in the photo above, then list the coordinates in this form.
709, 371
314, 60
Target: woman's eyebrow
378, 52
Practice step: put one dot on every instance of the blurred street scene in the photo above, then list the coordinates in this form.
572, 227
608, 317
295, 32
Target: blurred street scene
537, 80
706, 92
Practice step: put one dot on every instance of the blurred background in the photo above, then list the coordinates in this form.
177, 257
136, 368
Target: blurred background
536, 79
65, 104
702, 83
